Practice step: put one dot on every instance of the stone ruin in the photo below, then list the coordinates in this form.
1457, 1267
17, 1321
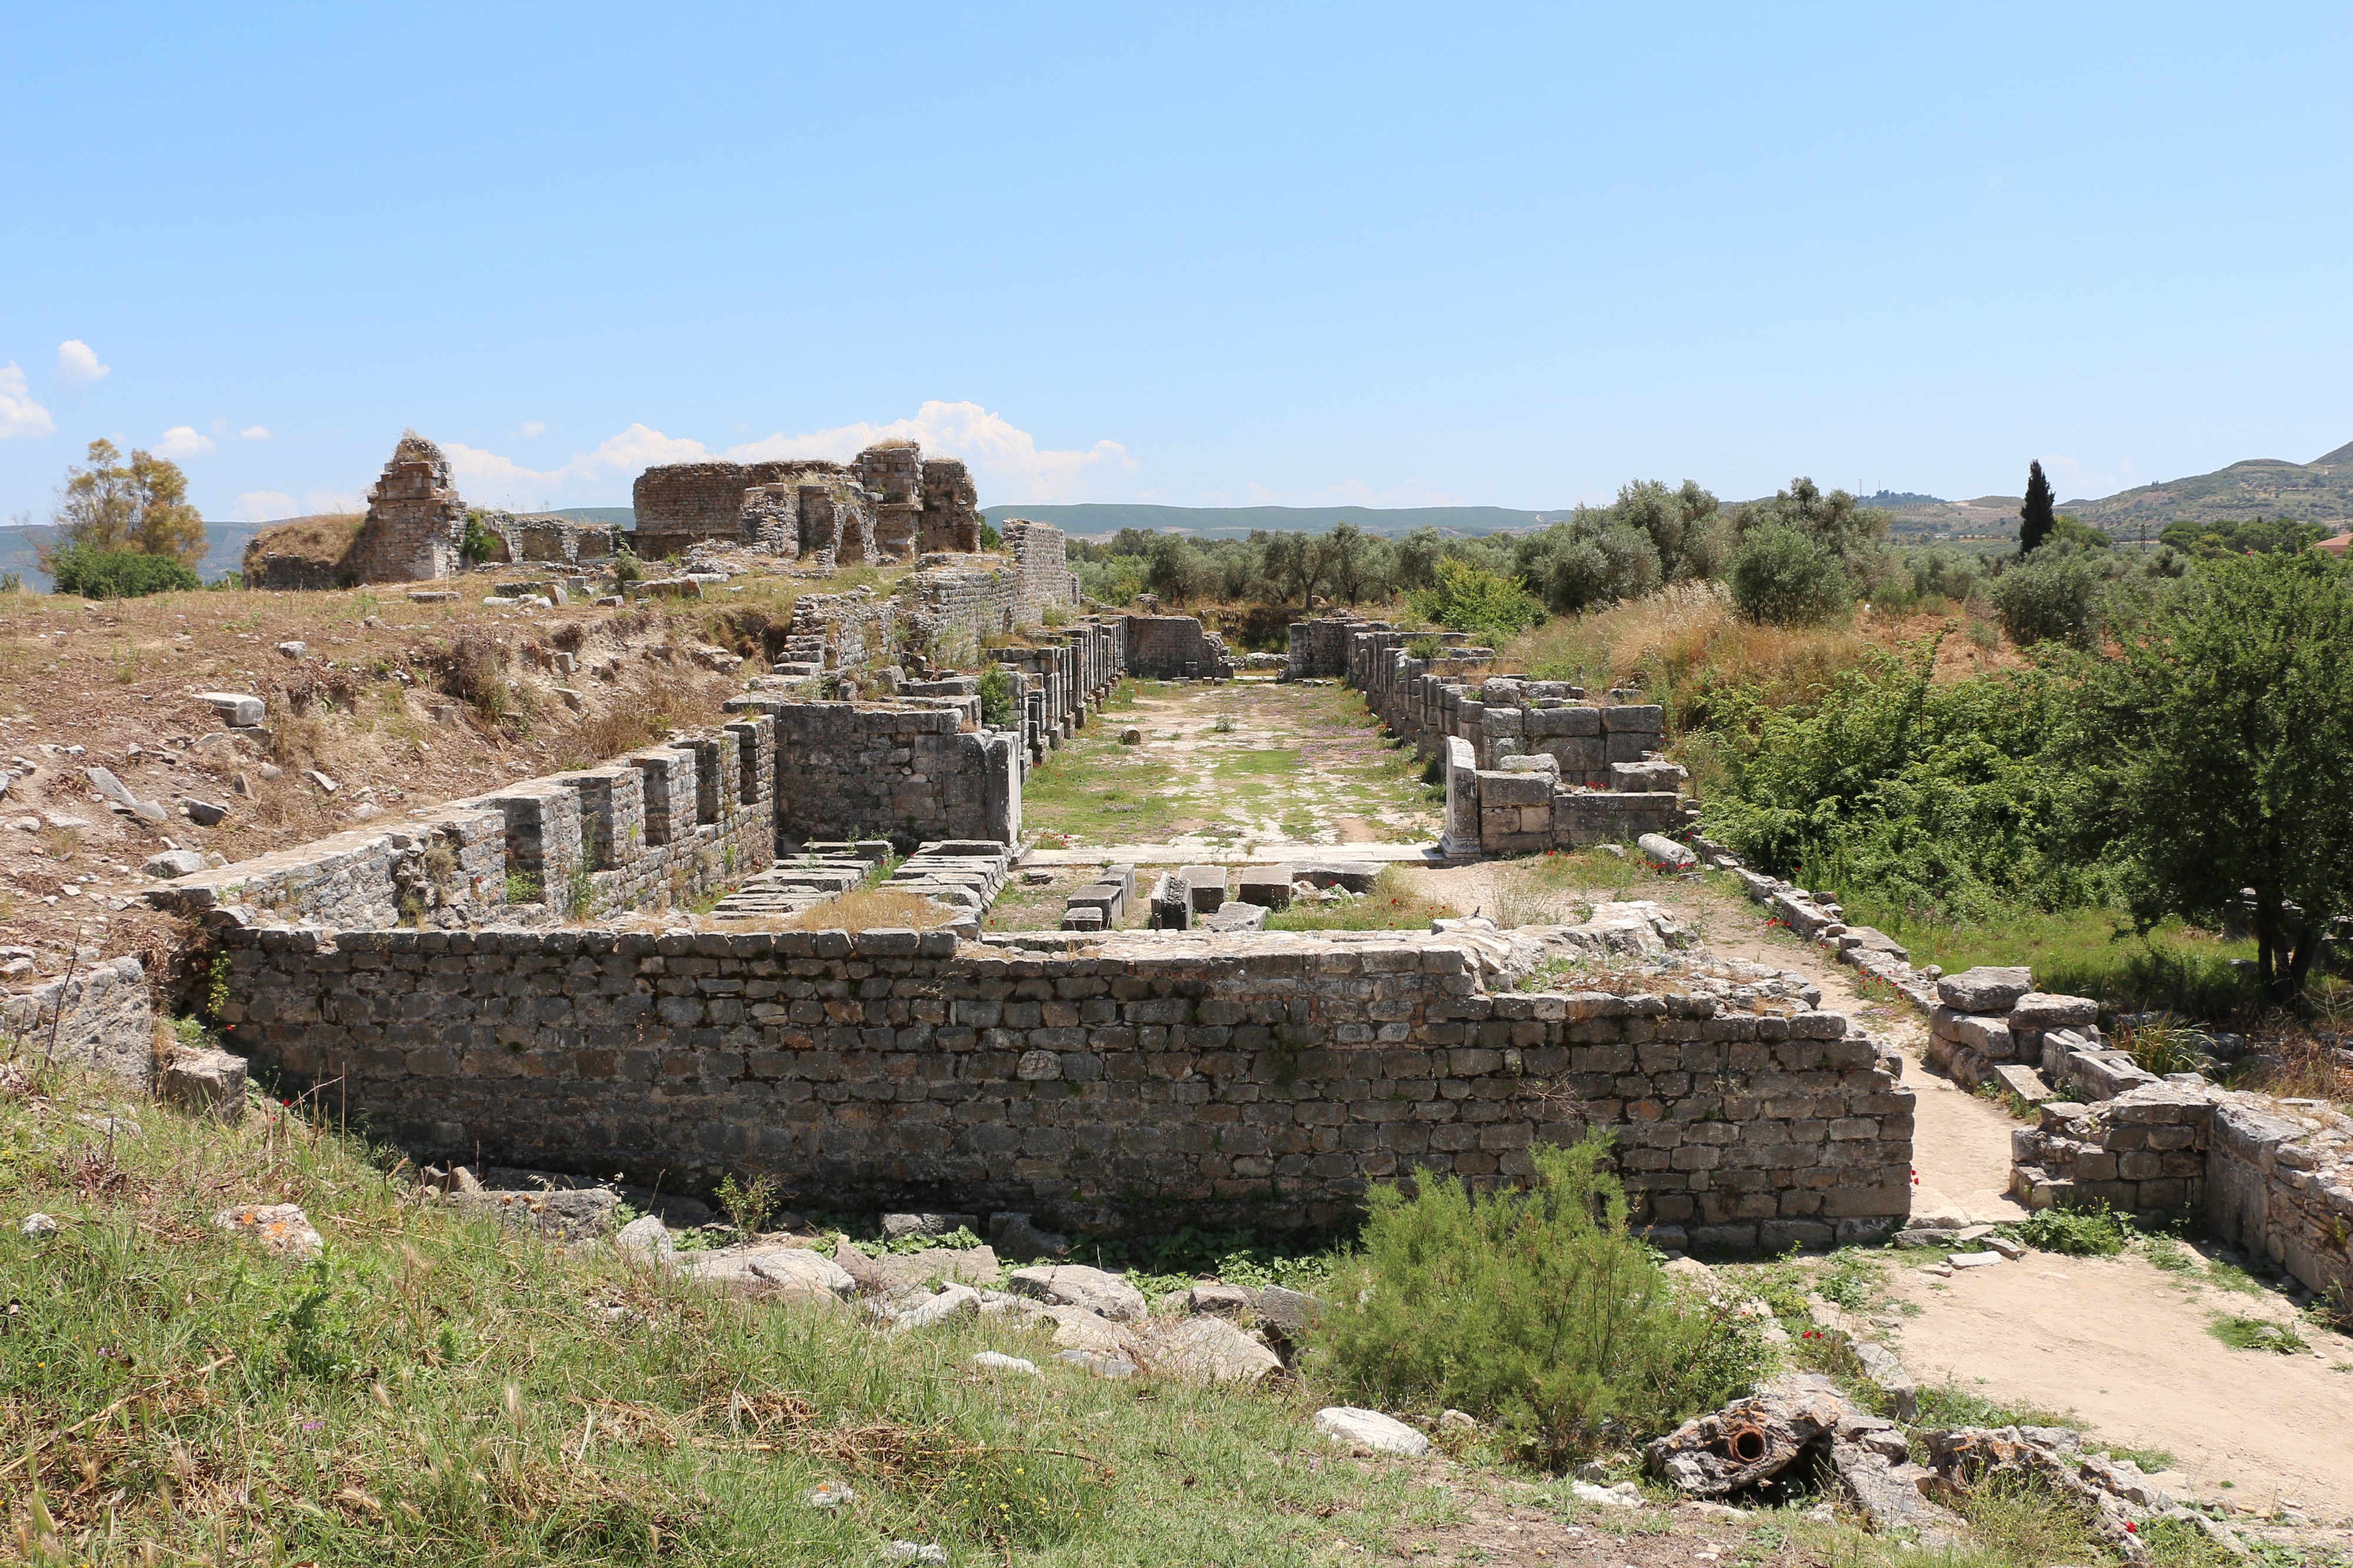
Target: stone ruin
416, 520
1530, 766
889, 503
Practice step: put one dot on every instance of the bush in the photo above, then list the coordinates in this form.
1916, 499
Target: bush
481, 544
1785, 578
1468, 599
1535, 1309
997, 697
2051, 596
120, 573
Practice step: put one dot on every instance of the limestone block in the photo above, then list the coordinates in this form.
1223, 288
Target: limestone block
1209, 886
1269, 887
2037, 1012
1077, 1285
1985, 989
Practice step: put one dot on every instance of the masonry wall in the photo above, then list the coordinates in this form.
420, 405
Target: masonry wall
585, 841
1261, 1080
1176, 647
905, 771
1582, 774
100, 1019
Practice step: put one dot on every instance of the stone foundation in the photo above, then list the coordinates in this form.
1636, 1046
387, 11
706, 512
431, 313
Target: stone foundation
890, 503
1131, 1083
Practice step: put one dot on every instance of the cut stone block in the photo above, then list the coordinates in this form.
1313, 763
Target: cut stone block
1209, 885
1269, 887
1985, 989
2025, 1083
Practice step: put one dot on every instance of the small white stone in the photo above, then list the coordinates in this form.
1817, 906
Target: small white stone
993, 1362
833, 1494
1606, 1496
39, 1225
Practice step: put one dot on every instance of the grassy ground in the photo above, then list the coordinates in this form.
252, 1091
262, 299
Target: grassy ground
1228, 765
437, 1391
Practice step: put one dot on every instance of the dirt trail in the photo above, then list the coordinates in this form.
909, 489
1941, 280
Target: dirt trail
2119, 1342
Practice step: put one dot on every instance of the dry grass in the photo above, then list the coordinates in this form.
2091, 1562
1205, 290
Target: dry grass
1686, 643
871, 909
326, 539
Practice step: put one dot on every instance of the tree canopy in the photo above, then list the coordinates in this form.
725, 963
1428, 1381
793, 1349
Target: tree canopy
141, 505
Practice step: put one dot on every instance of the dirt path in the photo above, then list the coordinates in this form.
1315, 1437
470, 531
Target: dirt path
2125, 1345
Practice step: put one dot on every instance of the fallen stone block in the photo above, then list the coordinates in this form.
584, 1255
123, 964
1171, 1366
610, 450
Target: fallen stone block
1985, 989
210, 1083
1210, 1347
1238, 918
1269, 887
2024, 1082
768, 1273
282, 1228
1665, 852
1209, 886
237, 710
1077, 1285
1355, 876
1369, 1431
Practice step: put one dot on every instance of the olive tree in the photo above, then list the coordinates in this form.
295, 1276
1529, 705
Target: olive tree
2228, 722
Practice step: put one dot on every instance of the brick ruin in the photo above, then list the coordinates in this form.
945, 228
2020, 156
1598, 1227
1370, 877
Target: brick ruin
889, 503
416, 522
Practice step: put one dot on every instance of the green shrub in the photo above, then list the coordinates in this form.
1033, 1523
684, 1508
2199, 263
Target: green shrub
2051, 596
120, 573
480, 543
989, 538
1536, 1309
1785, 578
997, 697
1470, 598
627, 567
2096, 1232
1427, 647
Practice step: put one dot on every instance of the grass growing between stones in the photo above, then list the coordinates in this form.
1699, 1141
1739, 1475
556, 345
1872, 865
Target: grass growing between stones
435, 1390
1400, 899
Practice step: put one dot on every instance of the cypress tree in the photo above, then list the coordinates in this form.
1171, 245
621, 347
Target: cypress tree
2035, 518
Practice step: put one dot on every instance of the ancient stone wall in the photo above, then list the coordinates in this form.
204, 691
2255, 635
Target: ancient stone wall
100, 1019
1531, 765
905, 771
558, 541
887, 504
574, 844
1131, 1082
1176, 647
416, 522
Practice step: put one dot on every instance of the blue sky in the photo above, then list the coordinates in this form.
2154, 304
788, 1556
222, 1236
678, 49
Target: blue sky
1198, 254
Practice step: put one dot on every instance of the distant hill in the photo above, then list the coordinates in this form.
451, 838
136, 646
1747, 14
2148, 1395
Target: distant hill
1237, 522
224, 551
2319, 491
620, 516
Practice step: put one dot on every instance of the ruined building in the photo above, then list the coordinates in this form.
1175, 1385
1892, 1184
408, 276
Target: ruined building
416, 520
887, 504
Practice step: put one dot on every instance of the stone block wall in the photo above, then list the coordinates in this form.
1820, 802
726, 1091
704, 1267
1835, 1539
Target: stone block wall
905, 772
574, 844
1133, 1082
1176, 647
100, 1019
555, 539
2274, 1177
1581, 776
886, 504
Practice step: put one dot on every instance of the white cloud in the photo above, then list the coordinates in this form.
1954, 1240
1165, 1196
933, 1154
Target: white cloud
19, 415
182, 441
255, 433
533, 429
1007, 464
77, 363
265, 506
